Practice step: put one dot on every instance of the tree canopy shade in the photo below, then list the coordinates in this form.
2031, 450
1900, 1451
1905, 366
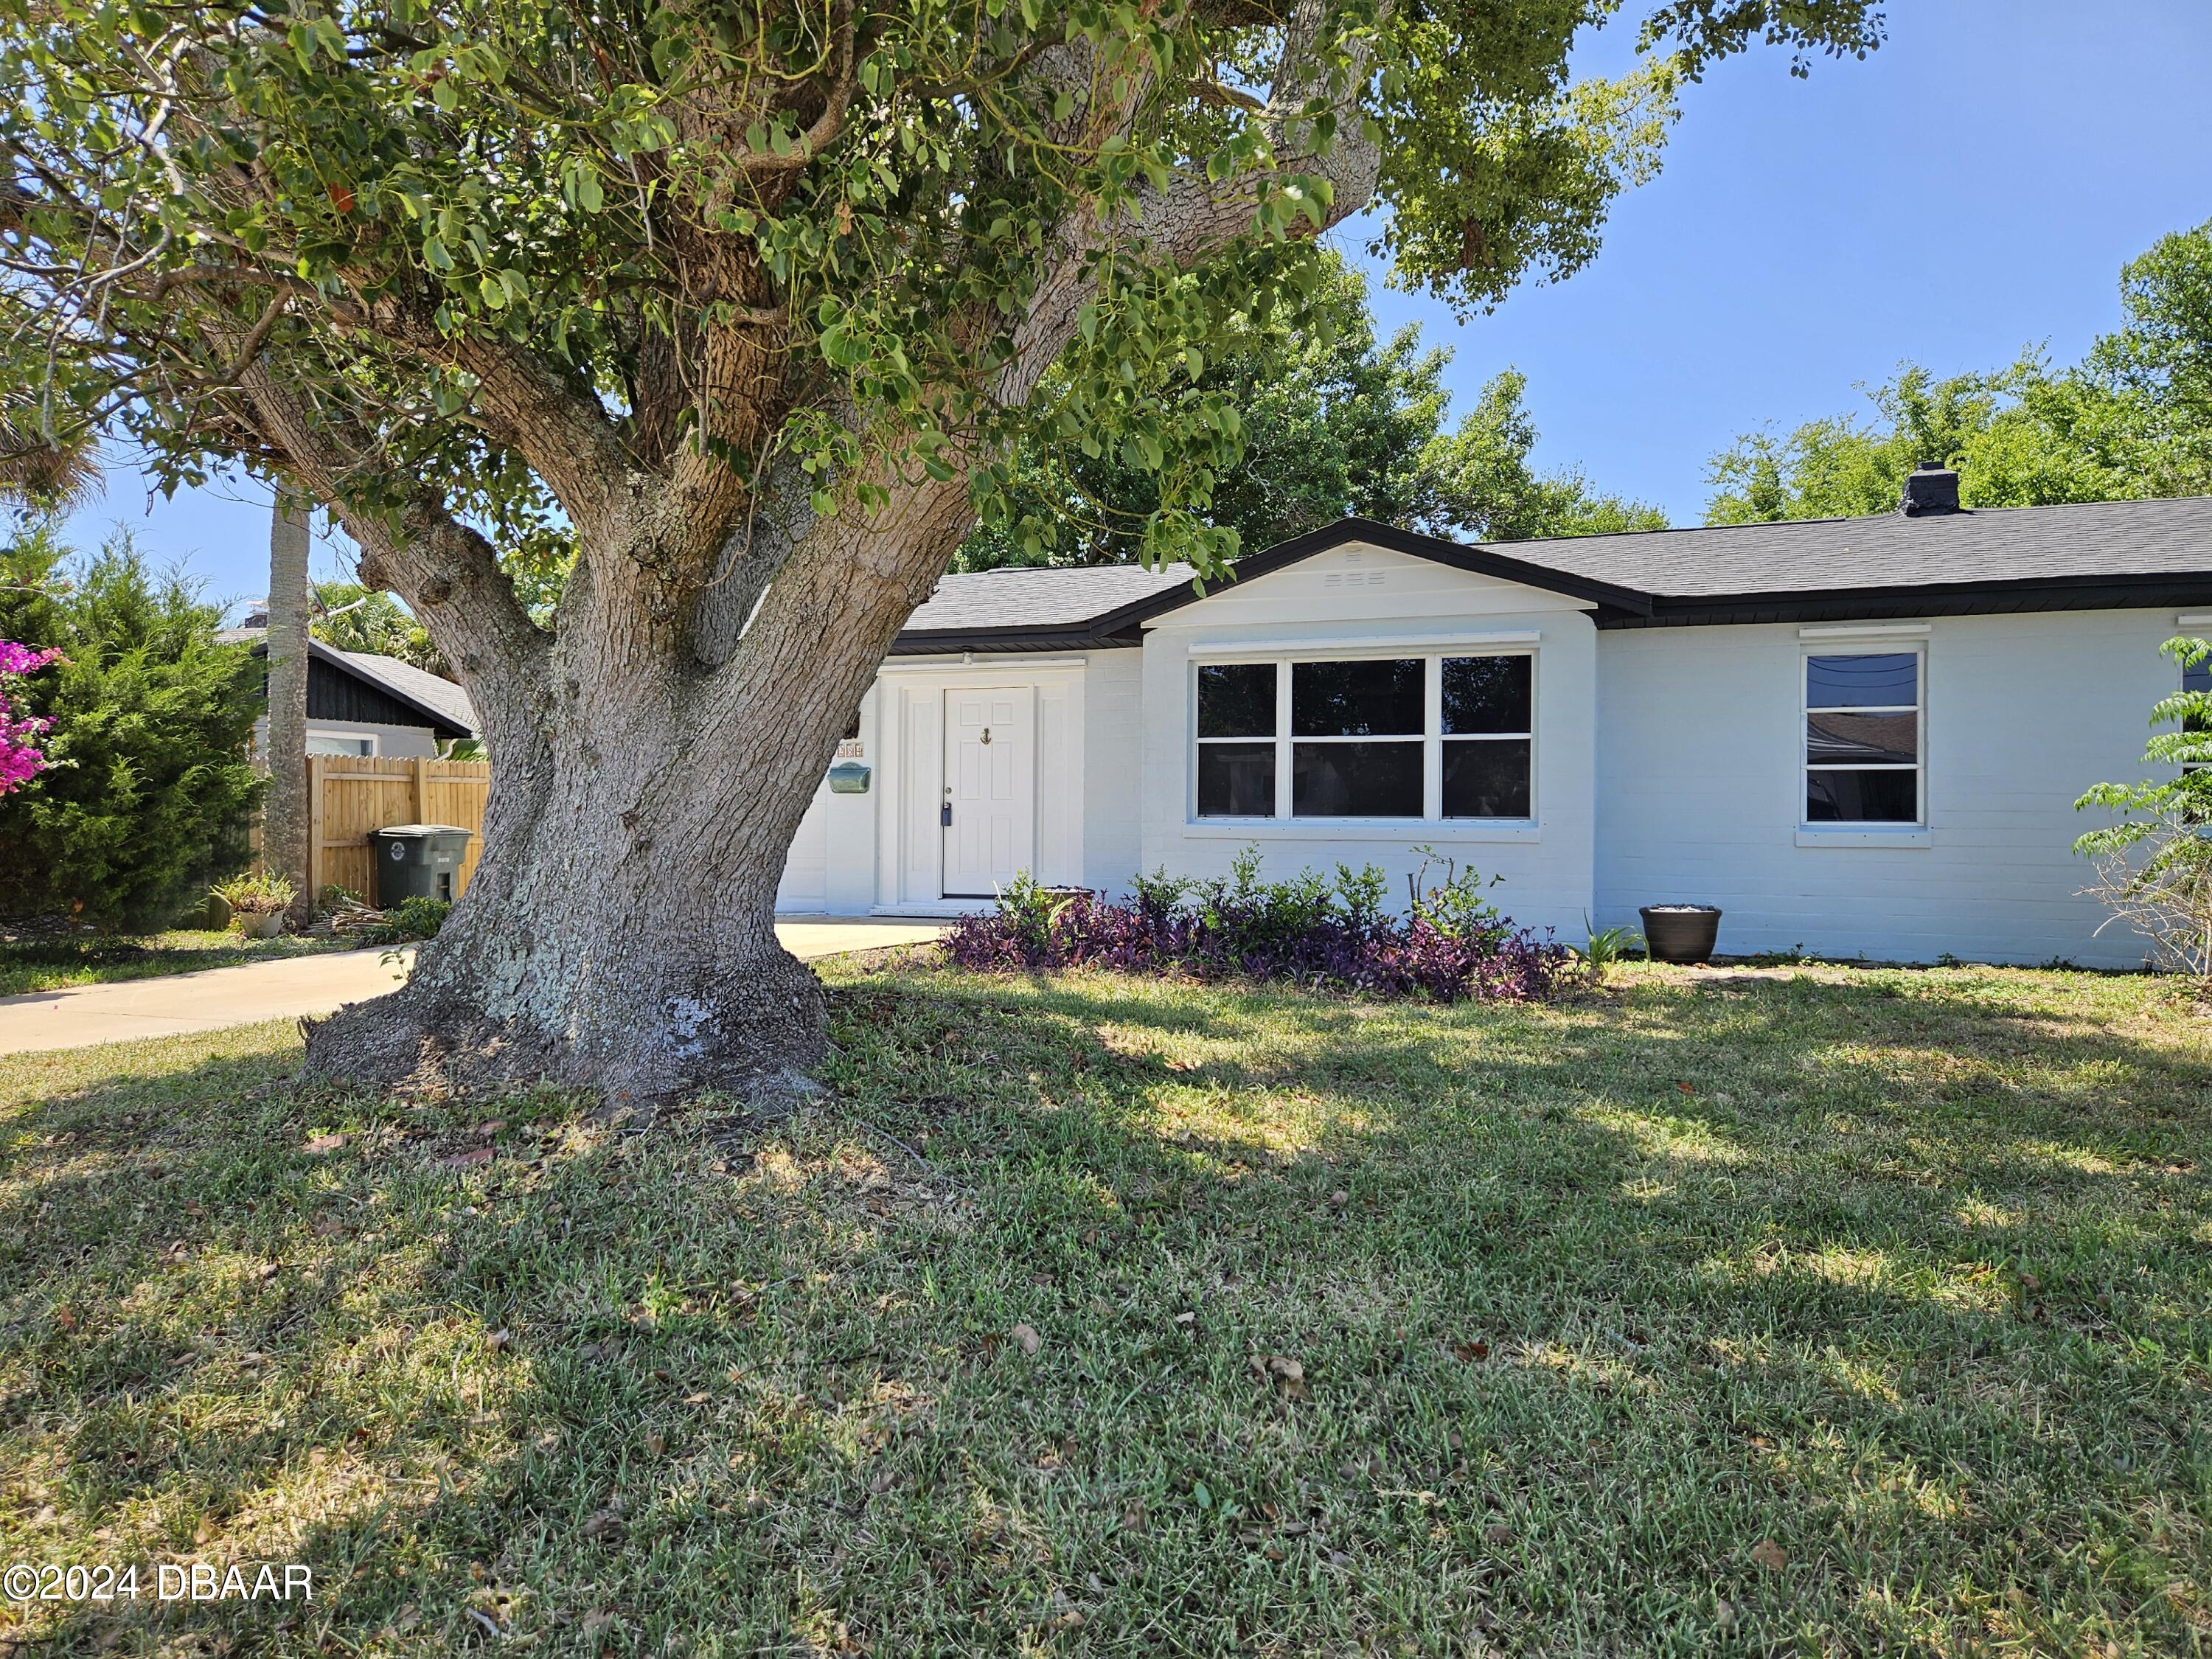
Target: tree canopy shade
1327, 421
740, 308
2133, 419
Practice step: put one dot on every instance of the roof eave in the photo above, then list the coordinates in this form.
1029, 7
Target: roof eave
1926, 599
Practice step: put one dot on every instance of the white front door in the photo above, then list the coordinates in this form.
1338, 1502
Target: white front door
990, 789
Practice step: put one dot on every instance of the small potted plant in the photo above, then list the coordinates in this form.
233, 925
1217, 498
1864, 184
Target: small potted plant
258, 904
1681, 932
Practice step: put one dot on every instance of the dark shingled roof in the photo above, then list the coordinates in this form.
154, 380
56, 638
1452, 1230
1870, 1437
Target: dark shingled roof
2091, 556
1986, 544
1035, 605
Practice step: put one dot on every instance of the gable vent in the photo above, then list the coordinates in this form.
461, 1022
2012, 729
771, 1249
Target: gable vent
1352, 579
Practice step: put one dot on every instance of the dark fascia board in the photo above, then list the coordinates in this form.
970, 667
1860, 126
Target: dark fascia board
1617, 607
1121, 628
1931, 599
1481, 560
330, 659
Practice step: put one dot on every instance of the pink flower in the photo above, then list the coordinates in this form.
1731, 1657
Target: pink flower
20, 760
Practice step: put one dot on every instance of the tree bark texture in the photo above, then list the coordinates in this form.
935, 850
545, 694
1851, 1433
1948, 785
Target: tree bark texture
284, 814
619, 931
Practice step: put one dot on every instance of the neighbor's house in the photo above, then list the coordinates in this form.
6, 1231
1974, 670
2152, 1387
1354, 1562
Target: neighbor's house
1860, 736
359, 704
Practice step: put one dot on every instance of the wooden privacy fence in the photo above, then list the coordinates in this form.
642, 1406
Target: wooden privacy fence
350, 795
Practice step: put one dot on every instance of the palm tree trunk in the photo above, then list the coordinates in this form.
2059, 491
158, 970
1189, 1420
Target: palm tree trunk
284, 818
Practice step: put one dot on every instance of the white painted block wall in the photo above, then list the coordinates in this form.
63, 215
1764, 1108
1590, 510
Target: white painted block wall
1700, 794
1547, 869
1113, 760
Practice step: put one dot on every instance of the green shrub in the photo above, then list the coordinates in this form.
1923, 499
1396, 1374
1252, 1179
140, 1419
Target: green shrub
411, 919
256, 896
151, 790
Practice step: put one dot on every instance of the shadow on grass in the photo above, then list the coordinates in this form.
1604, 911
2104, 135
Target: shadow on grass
1584, 1301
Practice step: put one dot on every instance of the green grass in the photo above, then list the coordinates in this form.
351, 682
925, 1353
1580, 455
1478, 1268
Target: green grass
1816, 1310
55, 964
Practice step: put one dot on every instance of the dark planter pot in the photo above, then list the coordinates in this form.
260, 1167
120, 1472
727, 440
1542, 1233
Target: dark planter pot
1681, 932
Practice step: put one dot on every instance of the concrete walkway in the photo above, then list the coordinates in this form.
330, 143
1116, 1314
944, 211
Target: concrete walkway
82, 1016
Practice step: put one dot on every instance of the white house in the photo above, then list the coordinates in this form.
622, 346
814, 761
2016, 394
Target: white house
1861, 736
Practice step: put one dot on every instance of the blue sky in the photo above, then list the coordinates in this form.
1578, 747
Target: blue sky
1972, 188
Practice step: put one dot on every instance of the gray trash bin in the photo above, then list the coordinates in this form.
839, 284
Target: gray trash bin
418, 861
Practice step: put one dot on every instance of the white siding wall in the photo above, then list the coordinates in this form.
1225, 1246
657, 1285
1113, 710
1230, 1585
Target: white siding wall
1113, 839
1700, 795
393, 742
1382, 598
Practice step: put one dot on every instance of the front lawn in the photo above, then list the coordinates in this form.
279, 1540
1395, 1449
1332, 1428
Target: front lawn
1809, 1310
54, 965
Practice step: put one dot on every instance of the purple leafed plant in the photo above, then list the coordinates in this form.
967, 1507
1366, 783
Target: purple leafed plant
1336, 935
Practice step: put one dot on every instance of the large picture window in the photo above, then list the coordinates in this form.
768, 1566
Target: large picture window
1863, 736
1417, 739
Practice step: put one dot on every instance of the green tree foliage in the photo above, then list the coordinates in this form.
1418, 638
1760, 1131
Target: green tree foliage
2133, 419
1326, 420
351, 617
2154, 860
1487, 489
150, 791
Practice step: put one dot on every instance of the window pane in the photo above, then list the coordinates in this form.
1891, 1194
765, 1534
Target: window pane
1356, 779
1889, 680
1486, 779
320, 744
1847, 797
1236, 779
1356, 699
1236, 700
1487, 694
1842, 739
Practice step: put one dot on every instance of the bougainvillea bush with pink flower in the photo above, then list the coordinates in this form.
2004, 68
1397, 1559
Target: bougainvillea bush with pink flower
1450, 944
143, 787
20, 758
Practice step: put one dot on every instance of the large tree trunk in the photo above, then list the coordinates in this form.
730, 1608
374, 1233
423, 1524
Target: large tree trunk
284, 813
619, 931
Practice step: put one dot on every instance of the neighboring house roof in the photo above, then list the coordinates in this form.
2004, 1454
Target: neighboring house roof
2092, 556
409, 684
437, 703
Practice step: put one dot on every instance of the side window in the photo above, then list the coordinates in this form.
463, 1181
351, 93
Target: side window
1488, 734
1863, 736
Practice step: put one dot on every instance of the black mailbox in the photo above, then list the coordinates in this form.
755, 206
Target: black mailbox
418, 861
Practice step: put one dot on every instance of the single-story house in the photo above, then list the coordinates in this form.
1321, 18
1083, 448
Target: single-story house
361, 703
1863, 737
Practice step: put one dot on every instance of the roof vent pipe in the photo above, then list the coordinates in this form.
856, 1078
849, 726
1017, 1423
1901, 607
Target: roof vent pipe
1931, 487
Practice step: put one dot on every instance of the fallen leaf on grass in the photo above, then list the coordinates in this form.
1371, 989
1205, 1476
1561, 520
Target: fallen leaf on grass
1471, 1352
1339, 1199
1186, 1318
1026, 1339
1769, 1554
606, 1523
465, 1160
321, 1144
1497, 1534
497, 1340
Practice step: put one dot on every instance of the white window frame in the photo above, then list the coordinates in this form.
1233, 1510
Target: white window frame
1431, 738
1868, 646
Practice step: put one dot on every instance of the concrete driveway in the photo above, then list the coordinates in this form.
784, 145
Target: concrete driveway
82, 1016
